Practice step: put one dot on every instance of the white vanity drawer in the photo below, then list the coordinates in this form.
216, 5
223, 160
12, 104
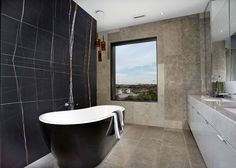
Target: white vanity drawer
215, 149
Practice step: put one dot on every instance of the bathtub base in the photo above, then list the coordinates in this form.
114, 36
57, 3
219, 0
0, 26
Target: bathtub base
80, 146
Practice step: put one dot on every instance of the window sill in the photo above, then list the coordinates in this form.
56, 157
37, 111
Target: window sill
135, 101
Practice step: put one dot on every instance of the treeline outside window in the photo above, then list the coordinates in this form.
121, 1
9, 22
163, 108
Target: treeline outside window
134, 70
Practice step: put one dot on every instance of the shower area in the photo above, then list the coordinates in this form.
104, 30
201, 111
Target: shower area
48, 63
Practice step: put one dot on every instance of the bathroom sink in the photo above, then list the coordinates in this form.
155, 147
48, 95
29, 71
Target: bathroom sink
216, 100
232, 110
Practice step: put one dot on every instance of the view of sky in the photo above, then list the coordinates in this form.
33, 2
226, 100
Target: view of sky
136, 63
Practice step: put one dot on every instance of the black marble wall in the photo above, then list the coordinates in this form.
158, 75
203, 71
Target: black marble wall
35, 71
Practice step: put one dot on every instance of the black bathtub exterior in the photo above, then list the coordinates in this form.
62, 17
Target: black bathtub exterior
81, 145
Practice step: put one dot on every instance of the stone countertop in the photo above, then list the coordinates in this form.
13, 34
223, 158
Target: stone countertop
223, 121
218, 106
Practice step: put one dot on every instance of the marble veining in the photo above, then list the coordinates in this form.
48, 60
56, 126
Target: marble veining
52, 54
89, 57
71, 43
18, 86
35, 71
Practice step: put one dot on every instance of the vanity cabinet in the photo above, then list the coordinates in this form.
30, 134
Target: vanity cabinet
215, 149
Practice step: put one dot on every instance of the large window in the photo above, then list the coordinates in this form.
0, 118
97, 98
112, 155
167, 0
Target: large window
134, 70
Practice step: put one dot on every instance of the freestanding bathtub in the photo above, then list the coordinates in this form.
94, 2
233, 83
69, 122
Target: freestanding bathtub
80, 138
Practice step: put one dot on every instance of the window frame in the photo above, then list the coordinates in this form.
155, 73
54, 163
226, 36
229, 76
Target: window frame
113, 66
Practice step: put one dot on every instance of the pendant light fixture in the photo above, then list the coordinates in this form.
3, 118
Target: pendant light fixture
103, 44
98, 41
99, 56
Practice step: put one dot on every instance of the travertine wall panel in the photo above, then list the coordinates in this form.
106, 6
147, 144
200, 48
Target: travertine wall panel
179, 71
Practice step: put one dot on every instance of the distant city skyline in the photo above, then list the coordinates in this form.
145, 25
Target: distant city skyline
136, 63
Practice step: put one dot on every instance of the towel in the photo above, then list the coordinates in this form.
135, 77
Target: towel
118, 123
116, 126
120, 119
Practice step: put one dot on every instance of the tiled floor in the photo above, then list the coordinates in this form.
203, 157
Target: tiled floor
149, 147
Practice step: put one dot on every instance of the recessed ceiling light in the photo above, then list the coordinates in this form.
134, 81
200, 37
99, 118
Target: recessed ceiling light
99, 15
221, 31
139, 16
162, 13
99, 12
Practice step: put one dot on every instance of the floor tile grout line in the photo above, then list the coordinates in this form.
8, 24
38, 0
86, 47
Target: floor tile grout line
186, 148
161, 146
135, 147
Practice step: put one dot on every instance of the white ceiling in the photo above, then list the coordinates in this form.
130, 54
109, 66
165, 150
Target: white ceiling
120, 13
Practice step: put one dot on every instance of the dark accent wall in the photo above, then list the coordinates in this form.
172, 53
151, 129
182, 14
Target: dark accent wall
35, 71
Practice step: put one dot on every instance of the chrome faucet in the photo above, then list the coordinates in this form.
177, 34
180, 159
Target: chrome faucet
69, 105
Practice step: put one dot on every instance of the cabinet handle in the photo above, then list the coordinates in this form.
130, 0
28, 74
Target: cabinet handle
206, 122
221, 138
198, 113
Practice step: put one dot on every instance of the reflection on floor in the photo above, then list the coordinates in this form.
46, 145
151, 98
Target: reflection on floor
147, 147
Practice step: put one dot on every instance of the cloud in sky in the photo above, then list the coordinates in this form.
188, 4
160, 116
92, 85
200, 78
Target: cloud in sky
136, 63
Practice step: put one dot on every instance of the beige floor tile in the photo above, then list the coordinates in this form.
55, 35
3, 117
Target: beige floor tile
153, 133
127, 127
125, 142
189, 137
195, 156
173, 164
108, 165
124, 151
137, 164
201, 165
173, 138
149, 147
152, 144
173, 153
144, 155
135, 132
117, 160
120, 155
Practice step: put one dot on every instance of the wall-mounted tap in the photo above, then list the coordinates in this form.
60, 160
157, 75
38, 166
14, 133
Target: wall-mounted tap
69, 105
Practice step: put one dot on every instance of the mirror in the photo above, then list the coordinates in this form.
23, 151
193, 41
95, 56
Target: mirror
221, 55
232, 62
207, 49
220, 40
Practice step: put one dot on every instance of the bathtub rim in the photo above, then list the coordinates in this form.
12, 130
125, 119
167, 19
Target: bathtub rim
111, 114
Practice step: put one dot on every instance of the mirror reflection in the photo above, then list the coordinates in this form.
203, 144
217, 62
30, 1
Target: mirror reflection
220, 40
232, 62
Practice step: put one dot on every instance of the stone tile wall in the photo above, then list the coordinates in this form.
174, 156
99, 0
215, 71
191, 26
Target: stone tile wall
179, 70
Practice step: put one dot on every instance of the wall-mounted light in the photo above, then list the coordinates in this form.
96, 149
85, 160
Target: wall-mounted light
99, 55
98, 41
103, 44
99, 13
